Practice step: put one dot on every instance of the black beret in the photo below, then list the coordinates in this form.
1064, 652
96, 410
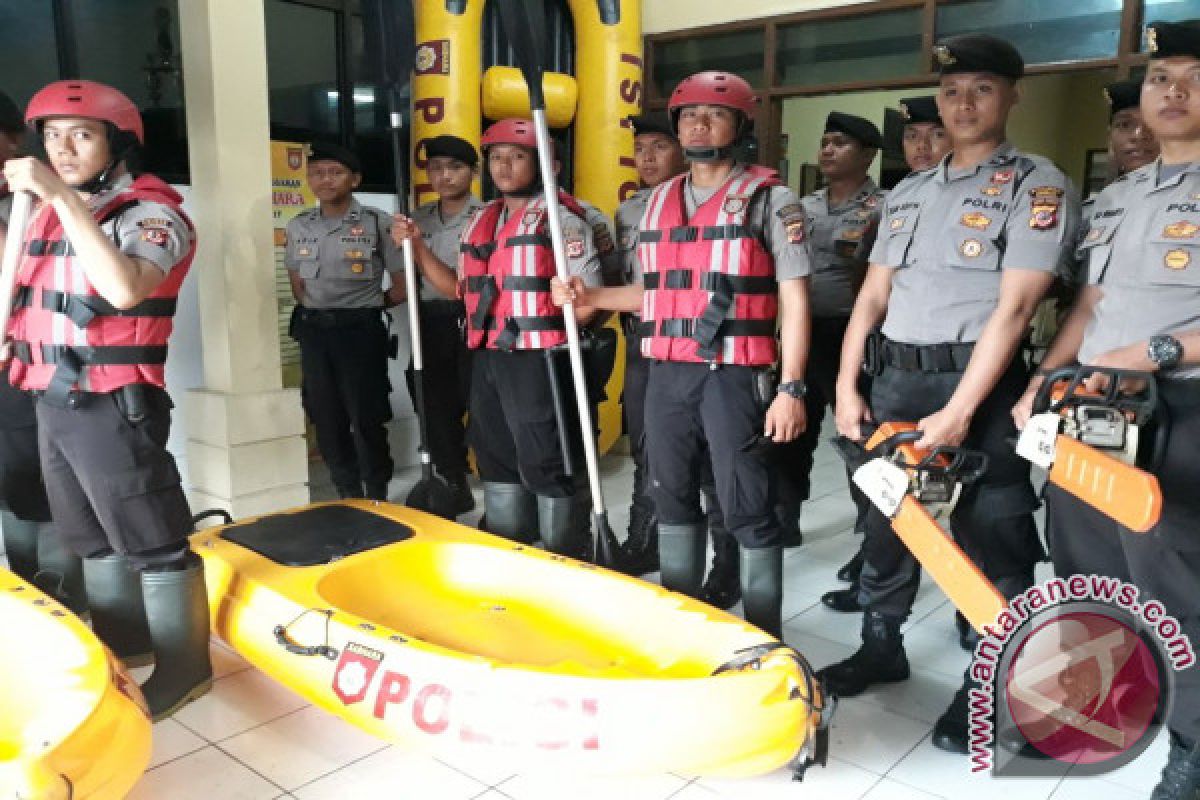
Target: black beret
1122, 95
447, 146
327, 151
855, 127
1166, 39
979, 52
10, 115
652, 122
920, 109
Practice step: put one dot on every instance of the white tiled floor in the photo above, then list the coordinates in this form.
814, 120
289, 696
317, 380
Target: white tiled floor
251, 739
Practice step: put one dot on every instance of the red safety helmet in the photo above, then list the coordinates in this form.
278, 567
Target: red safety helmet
509, 131
713, 88
86, 99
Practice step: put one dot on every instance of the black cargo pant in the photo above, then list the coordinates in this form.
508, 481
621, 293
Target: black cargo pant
343, 355
112, 484
447, 371
513, 426
21, 489
692, 409
637, 375
993, 520
1165, 562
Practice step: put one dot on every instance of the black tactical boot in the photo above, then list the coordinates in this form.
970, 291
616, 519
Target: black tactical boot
118, 612
20, 544
177, 613
951, 731
639, 551
844, 600
723, 588
464, 501
1181, 775
881, 658
851, 569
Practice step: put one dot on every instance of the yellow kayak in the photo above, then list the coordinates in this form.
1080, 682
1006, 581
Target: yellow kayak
73, 725
439, 637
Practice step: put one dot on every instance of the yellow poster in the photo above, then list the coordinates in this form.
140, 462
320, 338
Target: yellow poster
289, 196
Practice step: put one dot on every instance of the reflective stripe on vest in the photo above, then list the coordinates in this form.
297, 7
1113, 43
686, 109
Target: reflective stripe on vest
710, 290
66, 337
506, 279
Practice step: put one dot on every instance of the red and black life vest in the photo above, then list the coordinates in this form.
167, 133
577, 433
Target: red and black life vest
65, 335
710, 288
506, 278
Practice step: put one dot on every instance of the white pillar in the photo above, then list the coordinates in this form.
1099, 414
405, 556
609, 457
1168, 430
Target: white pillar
246, 446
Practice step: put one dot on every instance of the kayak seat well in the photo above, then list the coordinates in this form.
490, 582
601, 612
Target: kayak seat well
317, 535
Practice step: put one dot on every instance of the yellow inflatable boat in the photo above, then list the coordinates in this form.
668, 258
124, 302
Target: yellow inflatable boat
439, 637
73, 725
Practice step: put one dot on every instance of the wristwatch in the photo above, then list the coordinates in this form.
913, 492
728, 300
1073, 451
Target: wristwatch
796, 389
1165, 351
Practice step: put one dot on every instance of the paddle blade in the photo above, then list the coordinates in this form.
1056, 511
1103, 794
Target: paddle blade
527, 47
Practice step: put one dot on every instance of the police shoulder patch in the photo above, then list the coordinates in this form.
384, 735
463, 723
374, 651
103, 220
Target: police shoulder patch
156, 236
575, 247
795, 230
154, 222
790, 210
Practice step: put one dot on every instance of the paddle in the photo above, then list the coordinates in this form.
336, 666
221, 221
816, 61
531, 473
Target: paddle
18, 220
527, 48
390, 32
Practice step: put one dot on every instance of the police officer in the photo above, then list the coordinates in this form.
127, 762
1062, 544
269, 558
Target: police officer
1131, 142
658, 157
32, 548
452, 165
841, 221
336, 257
925, 142
965, 252
724, 260
505, 266
106, 254
1139, 311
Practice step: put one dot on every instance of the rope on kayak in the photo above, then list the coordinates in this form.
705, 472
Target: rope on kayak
752, 658
295, 648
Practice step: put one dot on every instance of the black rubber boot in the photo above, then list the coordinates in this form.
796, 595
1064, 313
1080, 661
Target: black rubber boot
851, 569
843, 600
789, 524
762, 588
881, 658
20, 545
559, 526
377, 491
511, 511
723, 588
114, 594
951, 731
968, 637
60, 572
681, 557
177, 613
639, 551
1181, 775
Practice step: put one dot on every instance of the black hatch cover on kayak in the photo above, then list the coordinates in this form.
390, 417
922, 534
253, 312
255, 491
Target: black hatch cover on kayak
317, 535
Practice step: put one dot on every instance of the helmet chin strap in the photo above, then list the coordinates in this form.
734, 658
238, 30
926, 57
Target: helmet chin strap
101, 181
708, 154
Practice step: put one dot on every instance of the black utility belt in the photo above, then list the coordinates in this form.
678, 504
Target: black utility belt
133, 399
882, 352
338, 317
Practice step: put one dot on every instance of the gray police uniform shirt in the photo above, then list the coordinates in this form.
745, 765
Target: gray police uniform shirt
150, 230
777, 213
1142, 249
629, 221
342, 259
950, 233
582, 258
604, 240
443, 236
840, 239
